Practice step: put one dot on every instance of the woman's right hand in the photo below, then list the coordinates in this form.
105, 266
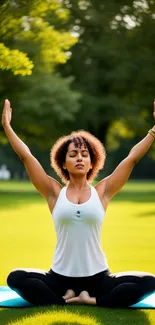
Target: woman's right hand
7, 113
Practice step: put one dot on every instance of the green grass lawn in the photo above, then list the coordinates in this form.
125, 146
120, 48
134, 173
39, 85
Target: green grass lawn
27, 239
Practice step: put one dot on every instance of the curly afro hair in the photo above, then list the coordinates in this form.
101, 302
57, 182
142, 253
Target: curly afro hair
79, 138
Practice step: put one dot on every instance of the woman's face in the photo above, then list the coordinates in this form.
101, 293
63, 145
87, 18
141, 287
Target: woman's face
78, 160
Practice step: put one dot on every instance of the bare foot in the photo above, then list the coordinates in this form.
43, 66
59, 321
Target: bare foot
83, 298
69, 294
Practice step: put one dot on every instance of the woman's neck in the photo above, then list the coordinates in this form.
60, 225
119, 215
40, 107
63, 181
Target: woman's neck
78, 183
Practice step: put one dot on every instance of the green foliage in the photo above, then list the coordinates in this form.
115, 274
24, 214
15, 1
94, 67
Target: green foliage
15, 61
44, 101
111, 69
25, 24
114, 63
45, 108
117, 130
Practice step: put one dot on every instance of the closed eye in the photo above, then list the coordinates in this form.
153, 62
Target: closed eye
73, 153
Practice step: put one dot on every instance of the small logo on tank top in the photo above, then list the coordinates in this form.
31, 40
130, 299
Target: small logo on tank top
78, 213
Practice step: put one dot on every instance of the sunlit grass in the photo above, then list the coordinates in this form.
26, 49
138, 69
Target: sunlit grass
16, 185
61, 317
27, 239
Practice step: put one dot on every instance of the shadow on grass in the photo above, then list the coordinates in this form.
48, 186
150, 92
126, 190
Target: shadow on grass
9, 199
14, 198
146, 214
101, 316
135, 196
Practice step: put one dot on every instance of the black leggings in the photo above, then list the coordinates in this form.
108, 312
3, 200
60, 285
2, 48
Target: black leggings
111, 290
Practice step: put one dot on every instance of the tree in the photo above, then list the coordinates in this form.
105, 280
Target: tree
43, 101
25, 22
113, 63
45, 108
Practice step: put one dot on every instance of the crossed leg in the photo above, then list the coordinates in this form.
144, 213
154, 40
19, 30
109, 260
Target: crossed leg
119, 290
35, 286
126, 288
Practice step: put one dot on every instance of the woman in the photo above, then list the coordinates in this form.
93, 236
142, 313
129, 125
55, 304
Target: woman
79, 273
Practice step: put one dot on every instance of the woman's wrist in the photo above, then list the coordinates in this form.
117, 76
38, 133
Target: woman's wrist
152, 134
6, 126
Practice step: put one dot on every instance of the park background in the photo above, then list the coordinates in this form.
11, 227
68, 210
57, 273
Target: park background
68, 65
78, 65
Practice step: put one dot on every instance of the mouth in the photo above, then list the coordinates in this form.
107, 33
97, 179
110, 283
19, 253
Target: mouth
79, 165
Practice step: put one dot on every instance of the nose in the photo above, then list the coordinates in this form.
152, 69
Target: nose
79, 157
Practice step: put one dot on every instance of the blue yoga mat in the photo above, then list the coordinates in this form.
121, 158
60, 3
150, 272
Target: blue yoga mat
9, 298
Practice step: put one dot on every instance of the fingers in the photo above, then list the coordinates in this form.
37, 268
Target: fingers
6, 105
6, 113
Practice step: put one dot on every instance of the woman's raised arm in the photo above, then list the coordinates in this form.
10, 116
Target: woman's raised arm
45, 184
110, 185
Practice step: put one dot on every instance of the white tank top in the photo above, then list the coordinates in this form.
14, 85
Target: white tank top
78, 250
